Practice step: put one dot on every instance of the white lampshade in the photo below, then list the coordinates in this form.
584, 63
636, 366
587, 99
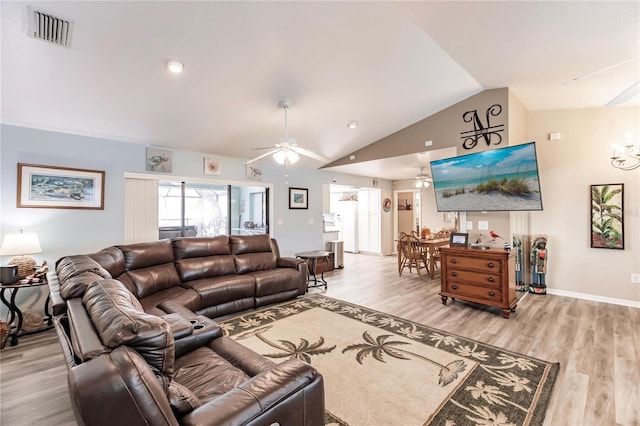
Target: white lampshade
19, 244
418, 184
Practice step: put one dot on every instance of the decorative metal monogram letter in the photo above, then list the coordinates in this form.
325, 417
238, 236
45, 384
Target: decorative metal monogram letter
471, 137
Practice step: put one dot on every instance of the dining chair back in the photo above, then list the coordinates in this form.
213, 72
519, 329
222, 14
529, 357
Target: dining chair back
412, 254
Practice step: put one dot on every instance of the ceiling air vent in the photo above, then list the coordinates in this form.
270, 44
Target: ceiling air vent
47, 27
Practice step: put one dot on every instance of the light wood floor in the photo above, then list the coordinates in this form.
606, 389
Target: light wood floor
597, 345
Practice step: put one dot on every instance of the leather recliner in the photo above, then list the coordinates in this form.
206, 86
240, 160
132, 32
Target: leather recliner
129, 367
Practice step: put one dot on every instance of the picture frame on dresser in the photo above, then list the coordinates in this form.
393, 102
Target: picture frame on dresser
459, 239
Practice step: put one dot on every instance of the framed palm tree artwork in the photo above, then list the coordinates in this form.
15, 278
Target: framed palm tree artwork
607, 220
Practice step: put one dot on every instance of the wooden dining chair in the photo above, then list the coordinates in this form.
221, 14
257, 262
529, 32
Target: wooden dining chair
413, 254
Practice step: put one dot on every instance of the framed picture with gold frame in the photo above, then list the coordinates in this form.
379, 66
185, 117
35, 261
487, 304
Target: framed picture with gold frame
55, 187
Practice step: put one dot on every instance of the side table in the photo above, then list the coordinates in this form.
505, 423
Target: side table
312, 257
15, 314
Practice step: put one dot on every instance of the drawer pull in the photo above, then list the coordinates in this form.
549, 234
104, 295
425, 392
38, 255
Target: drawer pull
455, 287
454, 274
490, 279
491, 293
454, 261
490, 264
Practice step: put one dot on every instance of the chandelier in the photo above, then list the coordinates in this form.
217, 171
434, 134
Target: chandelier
627, 157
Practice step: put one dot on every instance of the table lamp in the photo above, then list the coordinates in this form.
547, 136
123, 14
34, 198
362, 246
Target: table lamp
20, 245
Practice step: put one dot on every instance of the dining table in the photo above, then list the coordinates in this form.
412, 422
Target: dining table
431, 246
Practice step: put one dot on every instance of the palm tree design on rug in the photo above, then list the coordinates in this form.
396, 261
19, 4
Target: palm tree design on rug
379, 346
303, 351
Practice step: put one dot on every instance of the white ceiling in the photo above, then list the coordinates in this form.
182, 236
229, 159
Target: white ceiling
383, 64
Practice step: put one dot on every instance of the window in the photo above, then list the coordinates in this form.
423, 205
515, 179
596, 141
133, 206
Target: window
206, 210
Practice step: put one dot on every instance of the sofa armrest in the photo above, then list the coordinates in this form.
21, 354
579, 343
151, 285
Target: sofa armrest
190, 330
172, 307
256, 400
289, 262
57, 301
85, 341
118, 388
180, 326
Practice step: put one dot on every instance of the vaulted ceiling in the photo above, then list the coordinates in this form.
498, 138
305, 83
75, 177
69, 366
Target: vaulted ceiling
385, 65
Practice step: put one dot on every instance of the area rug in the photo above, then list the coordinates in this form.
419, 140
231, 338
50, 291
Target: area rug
379, 369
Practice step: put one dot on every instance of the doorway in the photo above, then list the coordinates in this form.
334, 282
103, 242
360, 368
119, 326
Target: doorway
358, 217
407, 207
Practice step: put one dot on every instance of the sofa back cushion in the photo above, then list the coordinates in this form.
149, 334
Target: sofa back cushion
110, 259
252, 253
120, 320
203, 257
150, 267
75, 273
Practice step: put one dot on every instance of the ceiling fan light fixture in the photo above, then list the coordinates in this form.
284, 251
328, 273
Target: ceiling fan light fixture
280, 157
418, 184
292, 157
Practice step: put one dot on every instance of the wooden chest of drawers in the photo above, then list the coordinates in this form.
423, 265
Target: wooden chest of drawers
480, 276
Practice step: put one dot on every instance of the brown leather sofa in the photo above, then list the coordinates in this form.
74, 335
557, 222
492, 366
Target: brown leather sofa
135, 325
214, 276
129, 367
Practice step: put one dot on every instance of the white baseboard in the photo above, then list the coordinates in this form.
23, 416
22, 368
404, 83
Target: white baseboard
593, 298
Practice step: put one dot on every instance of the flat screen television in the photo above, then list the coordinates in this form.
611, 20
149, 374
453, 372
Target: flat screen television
503, 179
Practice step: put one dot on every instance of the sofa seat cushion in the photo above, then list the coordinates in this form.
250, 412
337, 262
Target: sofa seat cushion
183, 296
276, 280
207, 374
220, 290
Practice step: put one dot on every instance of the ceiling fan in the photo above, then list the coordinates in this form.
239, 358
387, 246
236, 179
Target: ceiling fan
287, 151
423, 179
622, 97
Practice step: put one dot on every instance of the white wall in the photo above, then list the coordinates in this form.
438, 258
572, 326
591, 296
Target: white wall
567, 169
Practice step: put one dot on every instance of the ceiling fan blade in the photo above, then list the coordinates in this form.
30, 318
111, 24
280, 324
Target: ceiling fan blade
266, 154
309, 153
264, 147
629, 93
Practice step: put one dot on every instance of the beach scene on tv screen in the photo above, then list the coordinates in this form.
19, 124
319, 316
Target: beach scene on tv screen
498, 179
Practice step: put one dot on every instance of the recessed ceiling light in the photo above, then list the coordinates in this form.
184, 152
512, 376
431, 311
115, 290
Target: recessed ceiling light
352, 124
175, 67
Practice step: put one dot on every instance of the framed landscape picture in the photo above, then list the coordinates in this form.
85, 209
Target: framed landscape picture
298, 198
60, 187
607, 220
